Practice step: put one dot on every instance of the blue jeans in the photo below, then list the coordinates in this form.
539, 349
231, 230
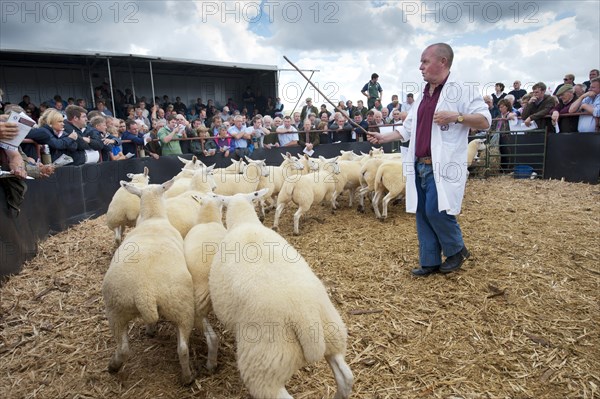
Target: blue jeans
437, 231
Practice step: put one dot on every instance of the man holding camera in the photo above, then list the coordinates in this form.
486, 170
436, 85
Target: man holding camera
169, 133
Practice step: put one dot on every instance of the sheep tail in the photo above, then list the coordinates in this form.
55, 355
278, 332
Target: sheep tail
202, 300
378, 179
288, 190
147, 307
311, 336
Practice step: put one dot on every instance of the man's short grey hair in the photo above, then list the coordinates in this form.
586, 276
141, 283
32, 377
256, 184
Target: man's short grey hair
444, 50
510, 98
267, 118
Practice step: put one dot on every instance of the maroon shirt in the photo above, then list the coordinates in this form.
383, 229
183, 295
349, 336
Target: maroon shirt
425, 120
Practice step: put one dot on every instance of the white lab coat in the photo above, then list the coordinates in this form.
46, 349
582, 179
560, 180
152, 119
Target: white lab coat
448, 146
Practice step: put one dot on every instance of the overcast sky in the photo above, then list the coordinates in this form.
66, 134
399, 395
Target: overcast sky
346, 41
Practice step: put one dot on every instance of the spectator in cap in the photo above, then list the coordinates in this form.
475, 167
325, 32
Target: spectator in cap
308, 108
566, 97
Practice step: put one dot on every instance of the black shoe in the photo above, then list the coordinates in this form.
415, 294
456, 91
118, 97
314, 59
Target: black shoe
425, 271
455, 261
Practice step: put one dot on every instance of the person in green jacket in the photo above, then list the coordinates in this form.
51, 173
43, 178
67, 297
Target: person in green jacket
172, 130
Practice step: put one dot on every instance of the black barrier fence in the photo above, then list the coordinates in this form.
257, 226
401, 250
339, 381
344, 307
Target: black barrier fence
574, 157
75, 193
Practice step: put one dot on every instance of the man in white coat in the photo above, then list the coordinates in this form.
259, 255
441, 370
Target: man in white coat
435, 165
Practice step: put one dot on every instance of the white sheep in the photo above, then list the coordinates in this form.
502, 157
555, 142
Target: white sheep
310, 164
373, 153
368, 172
229, 184
309, 189
200, 245
389, 177
473, 149
182, 179
235, 167
348, 156
124, 207
183, 210
350, 173
148, 277
289, 168
265, 292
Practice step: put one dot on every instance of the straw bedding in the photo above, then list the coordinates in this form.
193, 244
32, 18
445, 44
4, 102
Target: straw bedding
520, 320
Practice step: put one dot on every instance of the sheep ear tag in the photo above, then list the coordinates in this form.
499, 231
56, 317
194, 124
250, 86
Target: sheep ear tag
445, 127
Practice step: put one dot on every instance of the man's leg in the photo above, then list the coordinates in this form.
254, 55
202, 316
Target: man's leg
429, 247
447, 230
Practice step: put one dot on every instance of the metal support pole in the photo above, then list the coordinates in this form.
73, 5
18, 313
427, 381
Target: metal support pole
350, 120
112, 96
152, 82
302, 94
132, 84
91, 83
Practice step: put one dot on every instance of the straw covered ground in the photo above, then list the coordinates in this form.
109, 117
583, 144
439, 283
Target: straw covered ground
520, 320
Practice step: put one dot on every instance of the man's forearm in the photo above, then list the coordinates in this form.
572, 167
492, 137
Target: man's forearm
393, 136
576, 105
476, 121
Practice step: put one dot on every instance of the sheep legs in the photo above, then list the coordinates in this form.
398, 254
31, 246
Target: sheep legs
375, 203
151, 329
386, 200
118, 234
297, 217
263, 205
351, 193
278, 212
184, 354
361, 203
334, 204
283, 394
212, 341
119, 329
342, 374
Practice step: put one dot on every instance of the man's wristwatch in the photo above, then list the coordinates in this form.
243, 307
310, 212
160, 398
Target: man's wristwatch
460, 118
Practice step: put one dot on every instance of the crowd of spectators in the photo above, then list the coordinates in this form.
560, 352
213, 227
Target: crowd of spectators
165, 127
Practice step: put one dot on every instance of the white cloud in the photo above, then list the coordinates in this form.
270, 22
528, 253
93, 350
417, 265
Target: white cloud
348, 41
139, 50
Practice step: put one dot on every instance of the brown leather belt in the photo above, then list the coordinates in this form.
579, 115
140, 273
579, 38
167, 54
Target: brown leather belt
425, 160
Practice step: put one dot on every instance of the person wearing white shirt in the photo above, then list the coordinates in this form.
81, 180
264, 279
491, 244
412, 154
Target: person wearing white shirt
408, 104
288, 134
588, 103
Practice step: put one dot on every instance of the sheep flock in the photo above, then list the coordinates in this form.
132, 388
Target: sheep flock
198, 245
